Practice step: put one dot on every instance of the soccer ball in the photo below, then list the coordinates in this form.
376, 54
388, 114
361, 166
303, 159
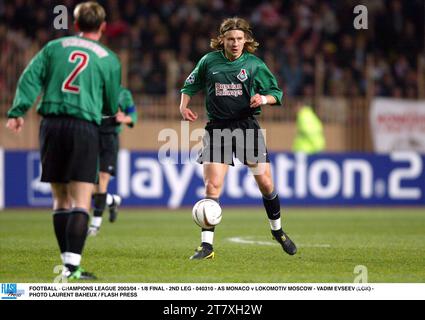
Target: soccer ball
207, 213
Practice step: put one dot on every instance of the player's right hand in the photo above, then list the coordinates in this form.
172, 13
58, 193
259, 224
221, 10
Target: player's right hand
15, 124
188, 114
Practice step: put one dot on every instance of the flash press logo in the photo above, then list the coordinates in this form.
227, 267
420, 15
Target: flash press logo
9, 291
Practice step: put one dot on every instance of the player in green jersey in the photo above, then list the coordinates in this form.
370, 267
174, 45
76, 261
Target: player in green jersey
109, 146
79, 80
236, 84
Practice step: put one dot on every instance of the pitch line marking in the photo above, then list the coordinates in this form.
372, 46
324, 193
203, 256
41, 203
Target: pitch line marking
246, 240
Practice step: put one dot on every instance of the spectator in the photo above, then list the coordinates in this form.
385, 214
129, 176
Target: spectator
293, 33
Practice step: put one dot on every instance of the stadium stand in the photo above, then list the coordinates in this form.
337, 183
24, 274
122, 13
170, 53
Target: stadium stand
311, 46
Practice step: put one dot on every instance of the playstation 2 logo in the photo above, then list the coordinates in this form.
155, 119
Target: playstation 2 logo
9, 291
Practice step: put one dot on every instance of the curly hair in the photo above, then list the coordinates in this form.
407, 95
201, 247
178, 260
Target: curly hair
235, 24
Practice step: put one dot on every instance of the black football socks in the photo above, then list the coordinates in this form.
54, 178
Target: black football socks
76, 233
272, 205
60, 221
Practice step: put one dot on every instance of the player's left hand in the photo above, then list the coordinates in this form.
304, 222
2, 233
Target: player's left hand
256, 101
121, 117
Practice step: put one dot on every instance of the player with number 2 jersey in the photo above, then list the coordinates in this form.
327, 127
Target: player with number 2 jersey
79, 80
74, 73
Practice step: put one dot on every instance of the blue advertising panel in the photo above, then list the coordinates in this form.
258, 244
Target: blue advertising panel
325, 179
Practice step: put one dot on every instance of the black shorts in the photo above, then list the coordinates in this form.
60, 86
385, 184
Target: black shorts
240, 138
108, 152
69, 149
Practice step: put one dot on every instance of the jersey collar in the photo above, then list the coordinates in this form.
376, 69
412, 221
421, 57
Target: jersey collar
241, 58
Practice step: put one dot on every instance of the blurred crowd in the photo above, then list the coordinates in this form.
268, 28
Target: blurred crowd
297, 38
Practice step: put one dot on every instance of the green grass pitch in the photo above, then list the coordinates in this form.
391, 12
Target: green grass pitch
146, 246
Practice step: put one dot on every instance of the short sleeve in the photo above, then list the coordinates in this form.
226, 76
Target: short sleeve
196, 80
265, 83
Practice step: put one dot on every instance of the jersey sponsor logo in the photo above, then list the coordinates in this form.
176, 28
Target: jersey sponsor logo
190, 79
76, 42
229, 90
243, 75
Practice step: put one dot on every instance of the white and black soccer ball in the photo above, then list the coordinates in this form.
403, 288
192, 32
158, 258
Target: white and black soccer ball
207, 213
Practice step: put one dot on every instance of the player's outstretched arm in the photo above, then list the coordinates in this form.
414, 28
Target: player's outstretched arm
186, 113
15, 124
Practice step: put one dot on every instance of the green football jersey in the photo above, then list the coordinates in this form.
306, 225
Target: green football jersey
126, 104
78, 77
229, 85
